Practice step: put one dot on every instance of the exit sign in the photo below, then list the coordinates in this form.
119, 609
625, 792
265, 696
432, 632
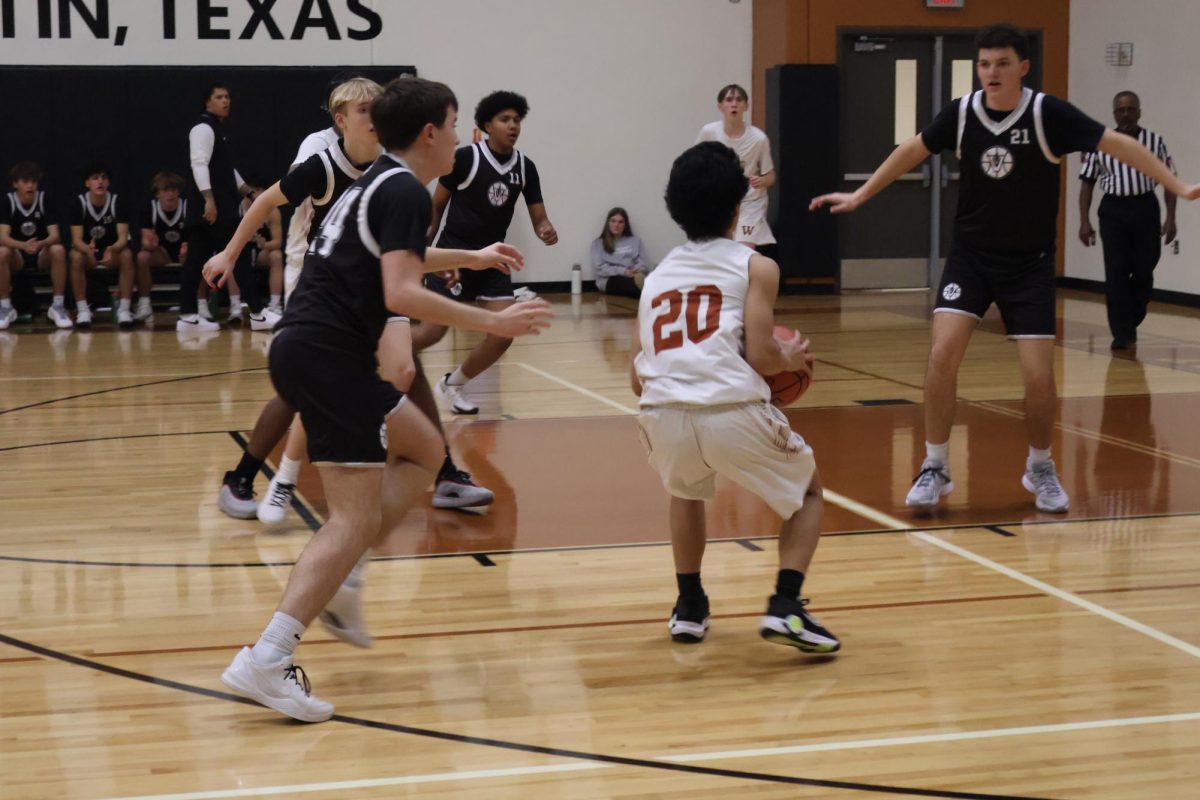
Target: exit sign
945, 3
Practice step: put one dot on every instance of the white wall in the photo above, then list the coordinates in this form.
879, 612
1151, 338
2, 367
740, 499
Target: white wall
617, 88
1165, 69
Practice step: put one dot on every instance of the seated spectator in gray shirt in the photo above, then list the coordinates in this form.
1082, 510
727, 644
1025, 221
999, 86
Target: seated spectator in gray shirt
618, 257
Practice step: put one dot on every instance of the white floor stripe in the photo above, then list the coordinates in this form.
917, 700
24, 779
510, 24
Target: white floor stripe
892, 522
580, 766
1054, 591
576, 387
934, 738
373, 783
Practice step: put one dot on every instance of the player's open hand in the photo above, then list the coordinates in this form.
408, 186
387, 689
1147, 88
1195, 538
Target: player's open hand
522, 319
838, 202
1192, 193
796, 352
501, 256
217, 270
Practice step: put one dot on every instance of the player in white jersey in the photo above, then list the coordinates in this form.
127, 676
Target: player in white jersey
297, 236
705, 321
754, 151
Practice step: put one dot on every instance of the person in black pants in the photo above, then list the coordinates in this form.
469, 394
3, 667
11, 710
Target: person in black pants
216, 192
1130, 225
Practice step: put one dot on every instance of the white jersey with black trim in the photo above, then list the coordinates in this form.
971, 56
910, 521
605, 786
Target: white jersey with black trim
297, 234
692, 327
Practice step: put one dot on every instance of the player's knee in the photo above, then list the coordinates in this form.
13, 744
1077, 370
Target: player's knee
57, 251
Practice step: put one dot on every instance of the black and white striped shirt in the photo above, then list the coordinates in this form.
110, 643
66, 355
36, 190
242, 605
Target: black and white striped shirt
1120, 180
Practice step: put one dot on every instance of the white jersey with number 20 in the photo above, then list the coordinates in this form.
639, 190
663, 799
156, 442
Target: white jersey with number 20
691, 322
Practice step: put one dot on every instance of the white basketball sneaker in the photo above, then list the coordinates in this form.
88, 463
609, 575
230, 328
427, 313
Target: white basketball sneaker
282, 686
59, 316
272, 509
1042, 480
931, 485
454, 397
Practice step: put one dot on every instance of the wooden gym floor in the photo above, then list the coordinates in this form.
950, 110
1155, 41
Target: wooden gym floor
989, 650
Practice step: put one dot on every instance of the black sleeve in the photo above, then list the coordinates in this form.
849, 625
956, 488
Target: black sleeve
942, 133
1069, 130
399, 214
74, 215
462, 167
307, 180
533, 184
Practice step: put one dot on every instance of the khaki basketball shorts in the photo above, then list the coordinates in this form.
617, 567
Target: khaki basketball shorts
750, 444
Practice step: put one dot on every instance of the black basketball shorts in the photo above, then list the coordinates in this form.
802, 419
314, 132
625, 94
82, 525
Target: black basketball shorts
342, 401
1022, 288
484, 284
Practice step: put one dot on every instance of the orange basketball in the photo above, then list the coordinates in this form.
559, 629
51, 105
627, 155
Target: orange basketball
787, 387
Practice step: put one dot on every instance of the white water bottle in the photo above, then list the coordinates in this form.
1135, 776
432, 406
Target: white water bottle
576, 279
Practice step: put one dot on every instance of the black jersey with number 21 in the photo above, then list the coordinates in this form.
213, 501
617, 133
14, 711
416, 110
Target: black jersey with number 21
1008, 200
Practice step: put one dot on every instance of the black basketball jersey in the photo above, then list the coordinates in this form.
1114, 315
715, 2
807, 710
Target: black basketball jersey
99, 223
221, 171
1009, 161
168, 226
484, 195
341, 286
25, 222
324, 177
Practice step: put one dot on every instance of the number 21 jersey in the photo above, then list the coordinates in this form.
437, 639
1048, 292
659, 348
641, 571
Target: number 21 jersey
692, 327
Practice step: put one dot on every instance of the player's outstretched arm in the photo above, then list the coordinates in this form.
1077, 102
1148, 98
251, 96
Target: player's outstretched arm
499, 256
902, 160
404, 293
218, 268
1131, 152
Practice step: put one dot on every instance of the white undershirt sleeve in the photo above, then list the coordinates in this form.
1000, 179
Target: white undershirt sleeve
201, 141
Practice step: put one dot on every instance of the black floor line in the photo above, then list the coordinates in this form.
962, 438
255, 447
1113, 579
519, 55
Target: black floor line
749, 545
997, 529
305, 513
516, 746
4, 411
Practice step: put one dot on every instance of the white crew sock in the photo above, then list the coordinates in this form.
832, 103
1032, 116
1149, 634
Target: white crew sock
278, 640
5, 304
124, 304
276, 300
938, 452
457, 378
289, 470
81, 305
59, 301
1037, 456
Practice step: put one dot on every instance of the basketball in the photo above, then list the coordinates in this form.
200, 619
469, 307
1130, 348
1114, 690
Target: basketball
787, 387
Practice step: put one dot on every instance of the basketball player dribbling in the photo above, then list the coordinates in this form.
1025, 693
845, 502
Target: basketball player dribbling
706, 338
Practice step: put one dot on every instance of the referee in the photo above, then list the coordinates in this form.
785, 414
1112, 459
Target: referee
1130, 225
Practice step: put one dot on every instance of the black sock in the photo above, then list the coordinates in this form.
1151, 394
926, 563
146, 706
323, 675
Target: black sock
248, 467
689, 585
447, 466
789, 583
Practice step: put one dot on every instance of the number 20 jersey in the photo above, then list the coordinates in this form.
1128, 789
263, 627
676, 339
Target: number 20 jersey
692, 326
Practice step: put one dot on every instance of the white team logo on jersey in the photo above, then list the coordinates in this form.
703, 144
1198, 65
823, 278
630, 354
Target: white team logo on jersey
497, 194
383, 437
98, 231
171, 236
997, 162
952, 291
28, 228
